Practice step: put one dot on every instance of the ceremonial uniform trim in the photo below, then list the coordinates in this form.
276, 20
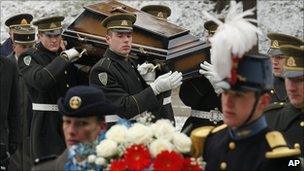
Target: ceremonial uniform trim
198, 137
274, 106
218, 128
50, 74
136, 103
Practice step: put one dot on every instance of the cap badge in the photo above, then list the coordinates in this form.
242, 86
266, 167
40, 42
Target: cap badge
291, 62
23, 22
275, 44
53, 25
124, 23
75, 102
160, 15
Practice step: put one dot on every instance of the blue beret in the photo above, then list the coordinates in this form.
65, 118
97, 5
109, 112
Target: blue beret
84, 101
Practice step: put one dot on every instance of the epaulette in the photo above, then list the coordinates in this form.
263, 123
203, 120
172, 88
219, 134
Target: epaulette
218, 128
44, 159
274, 106
105, 62
279, 146
198, 137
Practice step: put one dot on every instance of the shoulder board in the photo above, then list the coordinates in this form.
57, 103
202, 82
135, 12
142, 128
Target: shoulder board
279, 148
218, 128
44, 159
104, 62
198, 137
274, 106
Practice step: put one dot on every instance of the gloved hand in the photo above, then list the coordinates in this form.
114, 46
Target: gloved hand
72, 54
208, 71
147, 71
166, 82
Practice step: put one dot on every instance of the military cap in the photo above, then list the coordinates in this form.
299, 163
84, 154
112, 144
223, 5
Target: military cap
19, 19
23, 34
119, 22
253, 73
278, 39
294, 63
160, 11
50, 25
84, 101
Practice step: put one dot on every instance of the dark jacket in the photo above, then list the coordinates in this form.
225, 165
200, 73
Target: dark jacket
278, 93
6, 48
124, 86
47, 76
52, 163
288, 120
9, 107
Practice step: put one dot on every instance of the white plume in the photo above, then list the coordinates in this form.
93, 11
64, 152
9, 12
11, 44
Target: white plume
234, 37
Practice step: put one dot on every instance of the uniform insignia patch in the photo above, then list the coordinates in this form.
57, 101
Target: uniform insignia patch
27, 60
103, 78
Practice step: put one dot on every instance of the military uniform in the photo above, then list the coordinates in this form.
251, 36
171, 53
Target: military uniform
7, 47
278, 93
160, 11
48, 76
285, 117
122, 83
9, 110
52, 163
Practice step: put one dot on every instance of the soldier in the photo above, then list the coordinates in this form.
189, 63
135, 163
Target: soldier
48, 72
244, 142
9, 111
277, 58
6, 48
118, 77
160, 11
289, 118
203, 94
83, 110
23, 39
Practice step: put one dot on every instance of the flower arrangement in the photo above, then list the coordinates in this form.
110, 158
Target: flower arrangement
140, 146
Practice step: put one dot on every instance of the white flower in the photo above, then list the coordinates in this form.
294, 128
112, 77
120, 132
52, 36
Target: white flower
100, 161
106, 148
139, 134
163, 129
160, 145
117, 133
181, 142
91, 158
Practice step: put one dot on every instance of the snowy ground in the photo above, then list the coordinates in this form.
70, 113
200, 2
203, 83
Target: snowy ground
284, 16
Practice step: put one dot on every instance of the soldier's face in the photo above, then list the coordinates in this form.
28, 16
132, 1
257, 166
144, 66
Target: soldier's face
237, 107
50, 42
295, 91
83, 130
277, 65
120, 42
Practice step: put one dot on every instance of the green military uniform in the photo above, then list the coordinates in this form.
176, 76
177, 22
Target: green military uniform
122, 83
253, 145
278, 93
285, 117
48, 75
159, 11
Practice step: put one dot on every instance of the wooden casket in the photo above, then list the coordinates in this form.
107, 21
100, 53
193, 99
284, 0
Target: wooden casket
155, 40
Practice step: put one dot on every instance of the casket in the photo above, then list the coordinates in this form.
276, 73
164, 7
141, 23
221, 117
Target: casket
155, 40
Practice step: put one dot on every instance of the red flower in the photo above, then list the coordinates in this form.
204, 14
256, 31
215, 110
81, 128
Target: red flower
191, 165
137, 157
168, 161
118, 165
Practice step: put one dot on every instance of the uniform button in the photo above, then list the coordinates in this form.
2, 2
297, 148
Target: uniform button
65, 72
223, 166
231, 145
271, 91
302, 124
297, 145
68, 86
138, 79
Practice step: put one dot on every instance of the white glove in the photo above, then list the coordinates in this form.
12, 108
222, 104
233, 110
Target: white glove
147, 71
71, 54
207, 70
166, 82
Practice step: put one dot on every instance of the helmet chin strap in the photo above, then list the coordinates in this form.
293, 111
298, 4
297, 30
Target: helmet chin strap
257, 96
